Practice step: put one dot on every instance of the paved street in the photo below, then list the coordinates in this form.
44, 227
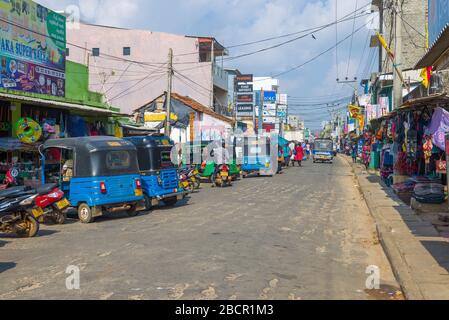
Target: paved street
305, 234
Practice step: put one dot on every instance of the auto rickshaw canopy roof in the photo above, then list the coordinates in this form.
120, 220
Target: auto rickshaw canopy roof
90, 155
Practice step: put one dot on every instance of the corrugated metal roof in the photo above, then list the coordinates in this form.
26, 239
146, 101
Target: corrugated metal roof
57, 104
435, 51
195, 105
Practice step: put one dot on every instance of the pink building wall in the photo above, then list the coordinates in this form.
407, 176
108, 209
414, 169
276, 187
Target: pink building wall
131, 85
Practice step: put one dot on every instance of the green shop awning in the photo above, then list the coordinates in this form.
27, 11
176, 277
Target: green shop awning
59, 104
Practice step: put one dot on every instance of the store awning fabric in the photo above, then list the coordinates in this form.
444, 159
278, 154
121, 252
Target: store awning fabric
58, 104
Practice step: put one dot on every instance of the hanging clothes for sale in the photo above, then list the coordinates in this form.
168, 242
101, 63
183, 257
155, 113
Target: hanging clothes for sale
439, 127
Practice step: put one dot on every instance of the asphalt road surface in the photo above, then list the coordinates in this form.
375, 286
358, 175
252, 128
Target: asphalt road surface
305, 234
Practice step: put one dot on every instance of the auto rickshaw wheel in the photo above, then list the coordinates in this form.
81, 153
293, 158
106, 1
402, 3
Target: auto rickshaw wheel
60, 218
148, 206
132, 212
85, 213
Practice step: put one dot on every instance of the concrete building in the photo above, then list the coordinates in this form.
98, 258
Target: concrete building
130, 66
413, 22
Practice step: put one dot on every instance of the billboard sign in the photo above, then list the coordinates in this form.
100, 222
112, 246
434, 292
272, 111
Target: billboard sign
245, 88
32, 48
245, 109
269, 96
246, 98
269, 113
438, 18
245, 95
244, 78
269, 107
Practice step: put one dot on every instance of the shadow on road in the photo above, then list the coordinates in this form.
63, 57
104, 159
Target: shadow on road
5, 266
439, 250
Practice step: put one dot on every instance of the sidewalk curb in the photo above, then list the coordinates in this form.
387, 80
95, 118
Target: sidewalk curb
398, 264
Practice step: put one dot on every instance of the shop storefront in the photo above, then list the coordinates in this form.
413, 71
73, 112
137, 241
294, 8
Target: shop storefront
47, 119
408, 147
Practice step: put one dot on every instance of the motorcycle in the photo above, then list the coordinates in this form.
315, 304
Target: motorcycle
10, 179
53, 206
185, 182
17, 214
221, 177
195, 178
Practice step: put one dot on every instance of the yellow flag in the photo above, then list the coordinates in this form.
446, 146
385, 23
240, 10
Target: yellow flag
385, 45
425, 78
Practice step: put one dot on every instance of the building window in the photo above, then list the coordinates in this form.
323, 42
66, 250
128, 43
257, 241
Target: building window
67, 52
126, 51
96, 52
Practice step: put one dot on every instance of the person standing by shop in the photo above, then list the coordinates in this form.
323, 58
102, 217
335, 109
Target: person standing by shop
299, 156
292, 147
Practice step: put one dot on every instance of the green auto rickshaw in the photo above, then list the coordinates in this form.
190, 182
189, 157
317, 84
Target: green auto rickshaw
207, 168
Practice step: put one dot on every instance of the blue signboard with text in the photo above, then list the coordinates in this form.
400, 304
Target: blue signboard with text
269, 96
438, 18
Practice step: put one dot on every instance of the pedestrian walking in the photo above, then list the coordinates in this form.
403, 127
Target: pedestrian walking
354, 153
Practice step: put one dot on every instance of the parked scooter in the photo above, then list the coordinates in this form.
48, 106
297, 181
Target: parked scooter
194, 177
16, 212
185, 182
53, 205
10, 179
221, 177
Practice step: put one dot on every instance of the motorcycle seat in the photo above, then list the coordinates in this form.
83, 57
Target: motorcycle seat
46, 188
13, 191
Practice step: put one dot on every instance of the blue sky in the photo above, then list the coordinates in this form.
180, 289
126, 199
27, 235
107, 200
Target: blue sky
240, 21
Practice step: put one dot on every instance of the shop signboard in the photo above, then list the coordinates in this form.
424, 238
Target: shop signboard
245, 95
269, 113
245, 98
245, 110
32, 48
245, 78
269, 107
438, 18
269, 96
244, 88
282, 112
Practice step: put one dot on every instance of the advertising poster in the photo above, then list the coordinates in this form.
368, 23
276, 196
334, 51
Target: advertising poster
32, 48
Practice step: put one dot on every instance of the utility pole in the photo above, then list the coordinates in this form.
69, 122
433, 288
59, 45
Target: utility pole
212, 54
262, 102
397, 78
169, 88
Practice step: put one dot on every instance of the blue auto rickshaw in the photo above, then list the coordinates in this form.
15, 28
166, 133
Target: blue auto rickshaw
257, 156
159, 175
323, 151
97, 174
